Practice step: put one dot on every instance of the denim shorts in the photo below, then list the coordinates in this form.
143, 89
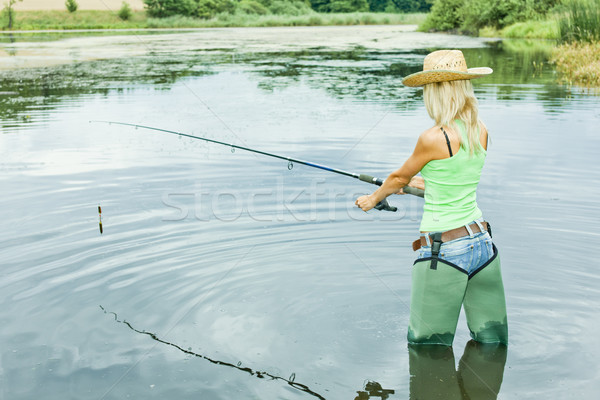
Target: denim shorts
467, 253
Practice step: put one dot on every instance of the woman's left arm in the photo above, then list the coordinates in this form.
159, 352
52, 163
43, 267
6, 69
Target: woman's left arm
402, 176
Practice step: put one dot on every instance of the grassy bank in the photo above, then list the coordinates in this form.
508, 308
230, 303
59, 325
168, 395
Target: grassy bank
81, 19
84, 19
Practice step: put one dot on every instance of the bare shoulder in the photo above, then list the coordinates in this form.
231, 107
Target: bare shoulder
430, 137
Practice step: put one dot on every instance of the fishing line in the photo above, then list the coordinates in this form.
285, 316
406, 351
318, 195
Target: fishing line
259, 374
383, 205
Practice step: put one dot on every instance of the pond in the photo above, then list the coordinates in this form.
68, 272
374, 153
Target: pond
225, 274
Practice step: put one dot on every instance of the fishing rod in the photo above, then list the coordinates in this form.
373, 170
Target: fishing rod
383, 205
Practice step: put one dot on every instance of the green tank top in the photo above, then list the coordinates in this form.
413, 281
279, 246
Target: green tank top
450, 185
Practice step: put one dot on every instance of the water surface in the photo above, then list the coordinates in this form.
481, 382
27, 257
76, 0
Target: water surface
236, 258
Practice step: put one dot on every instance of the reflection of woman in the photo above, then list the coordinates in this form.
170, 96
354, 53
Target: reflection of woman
433, 374
457, 261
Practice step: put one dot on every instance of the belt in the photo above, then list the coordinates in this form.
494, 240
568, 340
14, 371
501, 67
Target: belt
450, 235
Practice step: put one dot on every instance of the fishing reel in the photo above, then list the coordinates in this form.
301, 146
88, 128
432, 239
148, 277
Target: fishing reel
383, 205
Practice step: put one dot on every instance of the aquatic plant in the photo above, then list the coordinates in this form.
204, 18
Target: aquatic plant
578, 63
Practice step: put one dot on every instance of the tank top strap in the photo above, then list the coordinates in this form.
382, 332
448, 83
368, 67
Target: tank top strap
447, 141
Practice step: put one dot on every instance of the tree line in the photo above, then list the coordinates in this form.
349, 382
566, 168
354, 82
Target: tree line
470, 15
209, 8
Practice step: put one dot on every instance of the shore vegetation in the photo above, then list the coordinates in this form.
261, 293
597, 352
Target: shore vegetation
578, 63
573, 26
176, 14
470, 16
580, 21
97, 19
577, 59
535, 29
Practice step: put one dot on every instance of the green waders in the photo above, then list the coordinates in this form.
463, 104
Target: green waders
439, 288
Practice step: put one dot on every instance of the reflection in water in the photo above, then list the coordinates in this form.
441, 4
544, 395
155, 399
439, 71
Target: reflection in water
259, 374
479, 375
432, 371
356, 73
372, 390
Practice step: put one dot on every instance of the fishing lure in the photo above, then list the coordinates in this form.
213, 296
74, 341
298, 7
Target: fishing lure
100, 219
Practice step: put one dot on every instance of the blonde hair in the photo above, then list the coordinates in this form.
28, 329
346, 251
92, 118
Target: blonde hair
447, 101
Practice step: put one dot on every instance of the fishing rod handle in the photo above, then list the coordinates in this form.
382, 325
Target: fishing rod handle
406, 189
370, 179
414, 191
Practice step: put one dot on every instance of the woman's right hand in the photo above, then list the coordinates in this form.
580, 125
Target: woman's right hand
366, 202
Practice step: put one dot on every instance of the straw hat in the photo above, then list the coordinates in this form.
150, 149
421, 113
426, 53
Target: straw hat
442, 66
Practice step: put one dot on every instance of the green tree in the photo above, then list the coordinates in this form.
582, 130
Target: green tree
445, 15
125, 11
168, 8
346, 6
210, 8
252, 7
191, 8
71, 5
378, 5
320, 5
290, 7
409, 5
10, 12
341, 6
501, 13
470, 15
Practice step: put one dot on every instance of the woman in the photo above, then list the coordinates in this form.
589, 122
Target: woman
458, 264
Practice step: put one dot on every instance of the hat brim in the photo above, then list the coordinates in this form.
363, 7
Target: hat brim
439, 75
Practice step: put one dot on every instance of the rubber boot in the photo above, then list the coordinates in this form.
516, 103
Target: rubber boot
484, 303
